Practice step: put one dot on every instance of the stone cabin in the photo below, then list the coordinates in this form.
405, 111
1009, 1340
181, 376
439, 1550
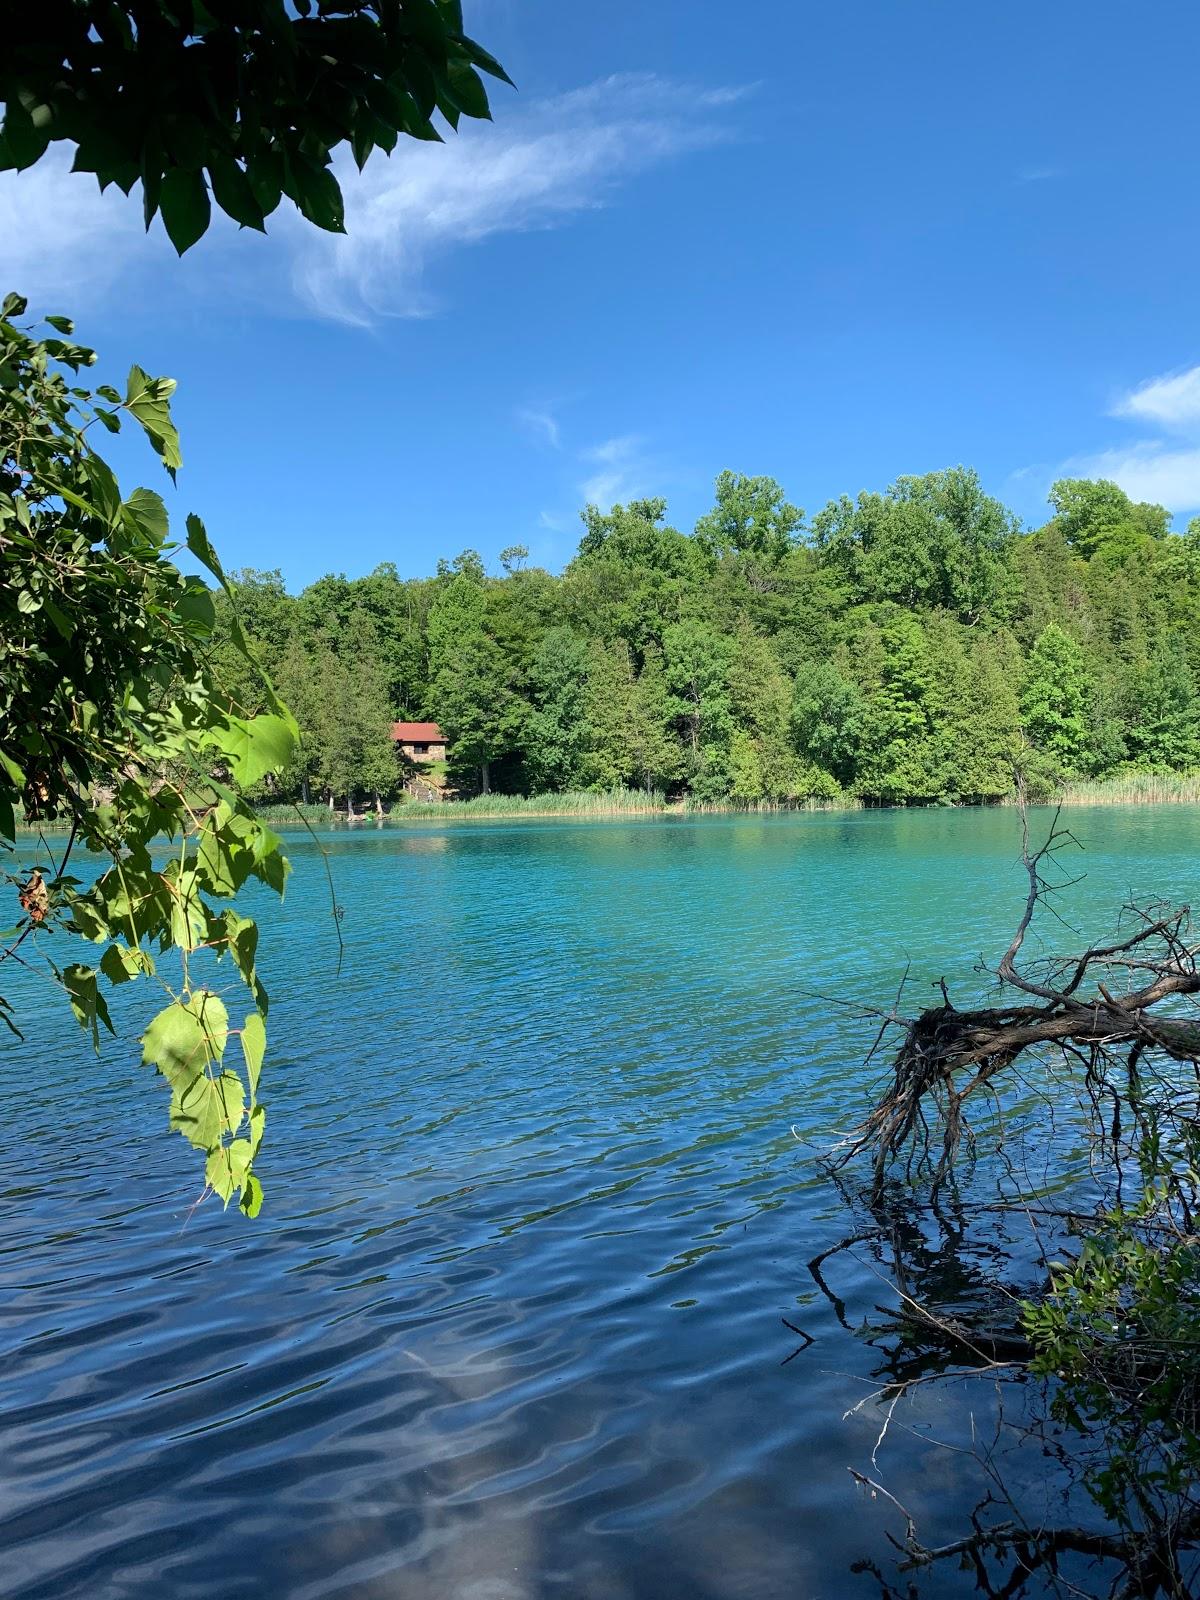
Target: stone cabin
420, 741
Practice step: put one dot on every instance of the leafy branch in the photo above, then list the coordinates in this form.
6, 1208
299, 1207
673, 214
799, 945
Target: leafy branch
112, 721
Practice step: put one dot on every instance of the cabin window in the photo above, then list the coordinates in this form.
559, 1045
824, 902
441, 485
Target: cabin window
420, 749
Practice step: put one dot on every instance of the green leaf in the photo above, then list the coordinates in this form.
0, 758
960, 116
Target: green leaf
15, 773
227, 1167
252, 1196
222, 857
241, 935
147, 400
103, 484
195, 607
192, 923
254, 746
146, 511
208, 1107
233, 193
201, 547
264, 174
218, 1173
120, 964
174, 1042
488, 62
467, 91
426, 22
258, 1125
184, 1037
25, 135
183, 201
87, 1002
254, 1045
214, 1018
60, 619
315, 190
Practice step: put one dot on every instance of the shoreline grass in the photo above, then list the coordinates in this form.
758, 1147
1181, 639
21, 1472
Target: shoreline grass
1129, 789
502, 807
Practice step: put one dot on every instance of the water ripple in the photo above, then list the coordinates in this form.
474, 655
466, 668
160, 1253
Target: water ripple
510, 1325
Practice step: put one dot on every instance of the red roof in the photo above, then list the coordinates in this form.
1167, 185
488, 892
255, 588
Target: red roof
417, 733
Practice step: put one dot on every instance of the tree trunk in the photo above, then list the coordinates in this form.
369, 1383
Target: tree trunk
330, 792
350, 811
378, 804
485, 777
304, 790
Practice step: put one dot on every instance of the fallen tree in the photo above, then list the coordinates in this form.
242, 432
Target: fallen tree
1090, 1005
1105, 1355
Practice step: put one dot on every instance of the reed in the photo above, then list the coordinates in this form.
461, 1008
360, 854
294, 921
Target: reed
610, 803
1135, 789
316, 815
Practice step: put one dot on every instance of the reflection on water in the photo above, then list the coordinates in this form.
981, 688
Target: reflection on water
510, 1325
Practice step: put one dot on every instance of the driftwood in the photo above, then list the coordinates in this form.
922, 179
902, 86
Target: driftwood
1103, 1002
1118, 1024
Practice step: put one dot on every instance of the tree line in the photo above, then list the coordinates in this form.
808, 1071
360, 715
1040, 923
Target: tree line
910, 646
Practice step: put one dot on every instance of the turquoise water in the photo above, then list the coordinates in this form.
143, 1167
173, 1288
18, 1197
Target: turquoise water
538, 1199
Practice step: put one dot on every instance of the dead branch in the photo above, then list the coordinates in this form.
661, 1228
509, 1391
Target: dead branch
1150, 1560
1102, 1003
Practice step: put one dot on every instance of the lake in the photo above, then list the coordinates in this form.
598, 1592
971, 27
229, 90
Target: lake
538, 1199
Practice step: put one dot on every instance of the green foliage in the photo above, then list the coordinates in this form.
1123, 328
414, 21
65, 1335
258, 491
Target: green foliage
1166, 710
828, 712
245, 103
985, 714
752, 518
473, 692
1098, 518
897, 758
915, 649
1118, 1333
698, 665
764, 764
1054, 700
112, 722
557, 732
932, 541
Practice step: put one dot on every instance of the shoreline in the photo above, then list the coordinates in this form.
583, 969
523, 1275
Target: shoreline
1129, 791
515, 808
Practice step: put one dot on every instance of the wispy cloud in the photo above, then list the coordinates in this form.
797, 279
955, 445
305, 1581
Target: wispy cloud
1172, 400
542, 424
1146, 470
553, 522
533, 168
1040, 174
61, 239
619, 471
537, 166
1165, 468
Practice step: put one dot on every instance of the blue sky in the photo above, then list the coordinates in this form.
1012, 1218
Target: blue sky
833, 243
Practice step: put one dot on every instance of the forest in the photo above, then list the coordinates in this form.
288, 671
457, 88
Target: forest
907, 647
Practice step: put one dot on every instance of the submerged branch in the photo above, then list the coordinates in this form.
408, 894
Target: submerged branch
947, 1056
